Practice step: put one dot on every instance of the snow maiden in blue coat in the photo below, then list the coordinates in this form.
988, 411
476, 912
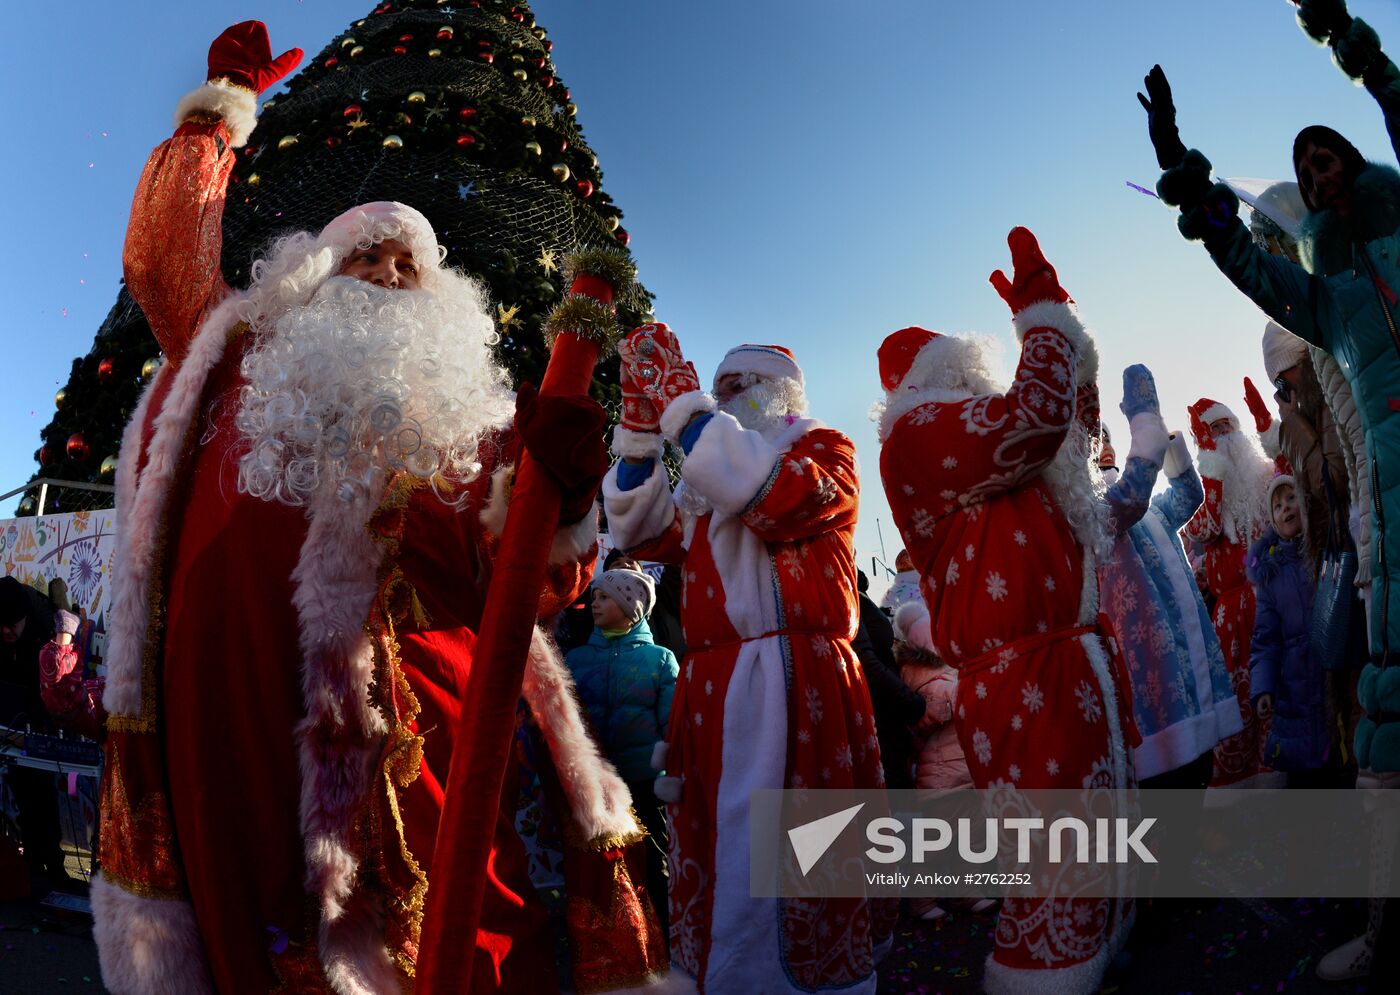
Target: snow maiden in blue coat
1284, 679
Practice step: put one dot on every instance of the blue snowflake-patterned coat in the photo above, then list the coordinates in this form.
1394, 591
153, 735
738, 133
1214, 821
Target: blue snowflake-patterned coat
1182, 699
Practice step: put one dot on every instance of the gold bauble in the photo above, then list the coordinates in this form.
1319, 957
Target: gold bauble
149, 367
108, 468
392, 142
528, 122
348, 41
561, 172
286, 142
417, 97
357, 50
60, 399
521, 75
534, 148
254, 179
571, 109
517, 57
433, 53
611, 222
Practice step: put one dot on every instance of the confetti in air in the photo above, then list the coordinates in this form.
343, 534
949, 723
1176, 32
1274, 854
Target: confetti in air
1142, 189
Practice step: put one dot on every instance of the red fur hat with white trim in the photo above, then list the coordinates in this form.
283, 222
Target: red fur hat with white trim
772, 361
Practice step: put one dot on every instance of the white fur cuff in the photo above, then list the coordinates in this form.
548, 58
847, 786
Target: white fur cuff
629, 443
1177, 459
237, 106
668, 788
147, 944
1065, 320
658, 755
1149, 435
1269, 439
679, 412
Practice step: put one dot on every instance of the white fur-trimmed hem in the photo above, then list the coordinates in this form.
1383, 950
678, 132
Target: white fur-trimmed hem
1149, 437
1177, 459
679, 412
147, 946
1065, 320
237, 106
629, 443
1002, 979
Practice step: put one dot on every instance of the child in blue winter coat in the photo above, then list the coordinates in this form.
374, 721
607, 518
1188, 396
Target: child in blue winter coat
625, 683
1285, 681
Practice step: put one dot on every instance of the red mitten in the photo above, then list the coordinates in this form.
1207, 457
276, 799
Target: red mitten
1262, 418
564, 433
1204, 440
1034, 279
652, 363
243, 56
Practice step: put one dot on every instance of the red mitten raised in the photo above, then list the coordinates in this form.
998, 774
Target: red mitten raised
243, 56
1204, 440
654, 370
1033, 278
1262, 416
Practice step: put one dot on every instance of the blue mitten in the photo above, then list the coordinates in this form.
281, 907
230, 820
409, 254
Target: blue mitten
1139, 392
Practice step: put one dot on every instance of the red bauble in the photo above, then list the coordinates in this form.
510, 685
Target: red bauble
563, 145
487, 58
77, 446
332, 142
541, 62
585, 188
332, 62
466, 141
546, 81
623, 237
45, 456
444, 34
549, 46
400, 50
106, 369
467, 113
354, 110
405, 37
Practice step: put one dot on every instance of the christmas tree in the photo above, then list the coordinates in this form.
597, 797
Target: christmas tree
452, 106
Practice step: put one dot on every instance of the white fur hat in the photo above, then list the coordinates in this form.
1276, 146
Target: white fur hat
368, 224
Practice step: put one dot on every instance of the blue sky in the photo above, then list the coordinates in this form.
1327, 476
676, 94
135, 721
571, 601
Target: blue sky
811, 173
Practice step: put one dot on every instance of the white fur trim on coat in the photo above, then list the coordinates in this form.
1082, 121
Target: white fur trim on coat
237, 106
1149, 437
729, 465
1065, 320
141, 504
627, 442
679, 412
659, 753
571, 542
641, 514
668, 788
598, 798
340, 739
1177, 459
147, 946
1269, 439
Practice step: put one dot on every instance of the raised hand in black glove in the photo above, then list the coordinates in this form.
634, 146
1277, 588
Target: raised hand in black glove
565, 435
1161, 118
1323, 19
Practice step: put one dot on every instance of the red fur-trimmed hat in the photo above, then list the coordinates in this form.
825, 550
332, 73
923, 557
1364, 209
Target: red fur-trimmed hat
898, 352
772, 361
1205, 411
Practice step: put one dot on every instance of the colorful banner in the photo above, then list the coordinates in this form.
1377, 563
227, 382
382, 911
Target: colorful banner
75, 548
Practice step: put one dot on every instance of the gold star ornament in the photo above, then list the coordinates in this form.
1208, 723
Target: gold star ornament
506, 316
546, 261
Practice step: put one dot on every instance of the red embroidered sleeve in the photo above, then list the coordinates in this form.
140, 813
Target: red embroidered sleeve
175, 236
812, 489
1206, 524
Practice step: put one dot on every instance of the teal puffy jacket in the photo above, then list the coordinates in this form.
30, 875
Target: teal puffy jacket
1347, 302
625, 686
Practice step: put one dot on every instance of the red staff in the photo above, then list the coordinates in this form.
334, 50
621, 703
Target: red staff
583, 328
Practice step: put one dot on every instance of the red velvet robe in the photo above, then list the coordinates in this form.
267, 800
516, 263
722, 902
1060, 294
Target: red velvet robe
209, 795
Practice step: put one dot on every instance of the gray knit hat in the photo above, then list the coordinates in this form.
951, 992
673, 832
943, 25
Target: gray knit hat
633, 591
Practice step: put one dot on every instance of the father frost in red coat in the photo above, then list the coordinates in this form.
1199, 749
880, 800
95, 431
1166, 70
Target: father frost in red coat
994, 496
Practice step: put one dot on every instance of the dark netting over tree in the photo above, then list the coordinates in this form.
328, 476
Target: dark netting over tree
452, 107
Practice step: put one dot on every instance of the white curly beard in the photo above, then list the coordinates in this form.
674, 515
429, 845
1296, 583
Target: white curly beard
364, 381
1078, 487
1244, 510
